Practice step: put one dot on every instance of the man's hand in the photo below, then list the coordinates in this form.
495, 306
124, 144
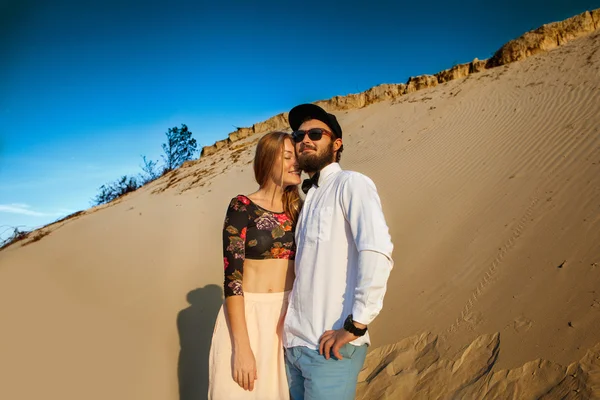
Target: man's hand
332, 342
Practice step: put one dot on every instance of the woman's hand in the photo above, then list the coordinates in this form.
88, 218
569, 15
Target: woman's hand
244, 367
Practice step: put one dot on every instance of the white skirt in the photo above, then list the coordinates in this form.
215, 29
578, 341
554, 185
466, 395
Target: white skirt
265, 313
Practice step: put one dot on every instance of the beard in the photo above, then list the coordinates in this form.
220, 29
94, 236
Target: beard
315, 162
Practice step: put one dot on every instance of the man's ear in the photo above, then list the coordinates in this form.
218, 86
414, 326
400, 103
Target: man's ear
337, 143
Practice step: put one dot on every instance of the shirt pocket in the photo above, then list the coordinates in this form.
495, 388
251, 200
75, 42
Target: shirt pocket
320, 225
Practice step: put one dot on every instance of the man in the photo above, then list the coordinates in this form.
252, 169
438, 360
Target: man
343, 261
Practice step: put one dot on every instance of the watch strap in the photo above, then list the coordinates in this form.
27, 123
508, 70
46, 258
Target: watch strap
350, 327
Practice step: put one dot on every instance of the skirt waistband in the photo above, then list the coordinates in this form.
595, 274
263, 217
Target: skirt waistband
266, 297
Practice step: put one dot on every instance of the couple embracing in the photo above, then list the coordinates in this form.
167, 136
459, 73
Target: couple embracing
303, 280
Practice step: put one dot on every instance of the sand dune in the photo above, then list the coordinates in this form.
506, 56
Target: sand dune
490, 185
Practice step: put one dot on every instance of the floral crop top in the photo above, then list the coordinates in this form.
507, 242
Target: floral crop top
251, 232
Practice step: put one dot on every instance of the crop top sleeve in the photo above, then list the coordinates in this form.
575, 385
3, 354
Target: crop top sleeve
234, 243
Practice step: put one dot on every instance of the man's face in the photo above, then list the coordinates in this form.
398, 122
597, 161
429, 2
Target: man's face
314, 155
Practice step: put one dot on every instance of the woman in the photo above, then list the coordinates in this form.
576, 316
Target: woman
246, 355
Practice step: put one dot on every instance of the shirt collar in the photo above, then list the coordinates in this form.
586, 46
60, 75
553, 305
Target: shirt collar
328, 171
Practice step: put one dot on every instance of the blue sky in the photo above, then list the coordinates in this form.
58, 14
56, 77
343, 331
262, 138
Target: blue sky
86, 89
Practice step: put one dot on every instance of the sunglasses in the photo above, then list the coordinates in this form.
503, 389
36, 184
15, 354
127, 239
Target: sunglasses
314, 134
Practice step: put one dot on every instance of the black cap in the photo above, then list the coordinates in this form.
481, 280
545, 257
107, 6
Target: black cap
303, 112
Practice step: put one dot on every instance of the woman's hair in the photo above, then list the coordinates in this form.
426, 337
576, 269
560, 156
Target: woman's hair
269, 147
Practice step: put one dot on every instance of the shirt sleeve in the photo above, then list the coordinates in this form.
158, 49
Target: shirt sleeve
234, 244
362, 208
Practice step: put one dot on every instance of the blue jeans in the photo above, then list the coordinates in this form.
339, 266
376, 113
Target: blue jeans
312, 377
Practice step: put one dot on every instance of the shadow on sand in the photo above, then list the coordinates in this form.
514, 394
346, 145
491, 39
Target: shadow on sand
195, 325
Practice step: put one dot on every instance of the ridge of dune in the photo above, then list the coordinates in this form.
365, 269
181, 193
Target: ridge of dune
490, 185
547, 37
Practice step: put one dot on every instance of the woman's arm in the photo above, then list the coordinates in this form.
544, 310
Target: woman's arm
234, 243
244, 364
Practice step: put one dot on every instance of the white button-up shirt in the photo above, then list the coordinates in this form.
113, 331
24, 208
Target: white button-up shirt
343, 258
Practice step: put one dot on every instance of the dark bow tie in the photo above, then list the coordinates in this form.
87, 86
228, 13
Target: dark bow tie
308, 183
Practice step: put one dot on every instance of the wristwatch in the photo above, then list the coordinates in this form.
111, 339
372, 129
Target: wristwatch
350, 327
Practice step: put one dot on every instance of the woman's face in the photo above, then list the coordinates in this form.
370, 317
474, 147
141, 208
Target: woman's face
286, 169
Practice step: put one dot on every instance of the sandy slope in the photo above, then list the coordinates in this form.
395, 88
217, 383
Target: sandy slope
491, 188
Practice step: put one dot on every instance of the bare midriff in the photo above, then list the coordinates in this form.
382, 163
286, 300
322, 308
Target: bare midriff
268, 276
